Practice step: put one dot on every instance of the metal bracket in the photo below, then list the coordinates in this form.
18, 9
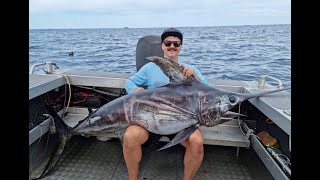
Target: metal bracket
52, 128
249, 132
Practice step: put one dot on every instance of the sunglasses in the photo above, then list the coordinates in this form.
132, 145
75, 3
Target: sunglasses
175, 43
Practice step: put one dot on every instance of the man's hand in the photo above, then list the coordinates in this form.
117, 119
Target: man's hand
138, 89
188, 72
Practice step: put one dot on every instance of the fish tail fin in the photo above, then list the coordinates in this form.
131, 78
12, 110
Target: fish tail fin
55, 156
60, 126
63, 132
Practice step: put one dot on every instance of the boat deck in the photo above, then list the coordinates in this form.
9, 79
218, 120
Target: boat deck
89, 158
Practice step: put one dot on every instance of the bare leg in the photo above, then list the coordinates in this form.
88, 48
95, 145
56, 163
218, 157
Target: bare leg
193, 156
133, 138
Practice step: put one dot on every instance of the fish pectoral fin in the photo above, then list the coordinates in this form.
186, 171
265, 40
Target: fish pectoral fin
120, 134
181, 136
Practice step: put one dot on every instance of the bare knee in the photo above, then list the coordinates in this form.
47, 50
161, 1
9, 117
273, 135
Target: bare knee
134, 135
196, 142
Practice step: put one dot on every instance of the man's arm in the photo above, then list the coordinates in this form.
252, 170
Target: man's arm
189, 70
202, 79
137, 81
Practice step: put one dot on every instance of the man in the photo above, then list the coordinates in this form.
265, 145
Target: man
151, 76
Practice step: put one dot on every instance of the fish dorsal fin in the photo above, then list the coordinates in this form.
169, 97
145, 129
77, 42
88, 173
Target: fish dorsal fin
171, 69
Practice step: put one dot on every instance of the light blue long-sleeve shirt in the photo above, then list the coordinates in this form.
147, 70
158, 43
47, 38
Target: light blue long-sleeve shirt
151, 76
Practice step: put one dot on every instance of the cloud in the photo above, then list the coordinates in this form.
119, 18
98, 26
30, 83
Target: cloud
260, 12
146, 13
127, 6
42, 6
263, 8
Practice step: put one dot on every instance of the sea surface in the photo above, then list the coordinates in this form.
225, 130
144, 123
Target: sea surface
220, 52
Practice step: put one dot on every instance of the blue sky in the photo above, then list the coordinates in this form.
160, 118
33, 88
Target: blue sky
56, 14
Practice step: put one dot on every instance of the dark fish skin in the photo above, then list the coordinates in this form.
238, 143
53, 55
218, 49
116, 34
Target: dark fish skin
165, 110
179, 106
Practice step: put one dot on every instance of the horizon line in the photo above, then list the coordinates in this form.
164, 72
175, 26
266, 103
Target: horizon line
126, 27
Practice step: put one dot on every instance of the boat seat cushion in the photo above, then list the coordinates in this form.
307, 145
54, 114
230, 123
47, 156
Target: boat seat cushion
149, 45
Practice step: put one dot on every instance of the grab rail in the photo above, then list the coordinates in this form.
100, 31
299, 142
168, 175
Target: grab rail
49, 65
263, 80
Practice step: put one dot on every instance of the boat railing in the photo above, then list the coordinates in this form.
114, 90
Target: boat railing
263, 79
49, 65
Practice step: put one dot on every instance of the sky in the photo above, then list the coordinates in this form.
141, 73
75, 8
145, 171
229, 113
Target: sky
65, 14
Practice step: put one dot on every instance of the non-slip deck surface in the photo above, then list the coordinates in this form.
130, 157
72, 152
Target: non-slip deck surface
88, 158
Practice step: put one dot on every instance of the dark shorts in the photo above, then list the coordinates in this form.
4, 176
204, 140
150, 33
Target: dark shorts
154, 138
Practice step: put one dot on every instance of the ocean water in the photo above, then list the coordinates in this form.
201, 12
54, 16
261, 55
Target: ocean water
220, 52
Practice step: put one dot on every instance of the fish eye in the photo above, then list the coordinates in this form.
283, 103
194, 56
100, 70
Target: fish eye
232, 99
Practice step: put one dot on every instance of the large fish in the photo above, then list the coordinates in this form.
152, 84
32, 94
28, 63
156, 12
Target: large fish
178, 107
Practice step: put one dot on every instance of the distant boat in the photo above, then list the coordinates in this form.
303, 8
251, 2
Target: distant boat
126, 27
